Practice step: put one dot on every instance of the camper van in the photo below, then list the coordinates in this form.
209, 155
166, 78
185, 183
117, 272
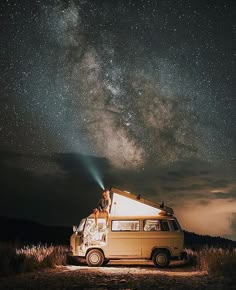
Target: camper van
137, 229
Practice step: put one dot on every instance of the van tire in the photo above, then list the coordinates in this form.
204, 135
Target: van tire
95, 258
161, 259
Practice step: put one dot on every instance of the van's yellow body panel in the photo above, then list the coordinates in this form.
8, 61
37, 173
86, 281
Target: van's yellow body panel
130, 244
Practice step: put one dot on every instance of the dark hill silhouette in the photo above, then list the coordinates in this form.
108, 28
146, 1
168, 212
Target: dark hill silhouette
25, 231
195, 241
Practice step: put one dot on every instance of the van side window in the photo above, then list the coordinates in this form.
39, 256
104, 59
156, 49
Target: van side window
151, 225
174, 225
164, 225
129, 225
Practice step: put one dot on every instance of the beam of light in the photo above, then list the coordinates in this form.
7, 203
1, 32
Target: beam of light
93, 170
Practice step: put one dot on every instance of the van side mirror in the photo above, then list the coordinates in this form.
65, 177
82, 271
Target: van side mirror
75, 229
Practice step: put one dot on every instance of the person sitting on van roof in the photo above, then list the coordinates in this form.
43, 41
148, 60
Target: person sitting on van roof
103, 206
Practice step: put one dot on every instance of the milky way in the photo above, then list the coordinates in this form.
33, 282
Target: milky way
133, 82
139, 93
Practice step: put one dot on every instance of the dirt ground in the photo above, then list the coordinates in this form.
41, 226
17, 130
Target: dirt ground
117, 275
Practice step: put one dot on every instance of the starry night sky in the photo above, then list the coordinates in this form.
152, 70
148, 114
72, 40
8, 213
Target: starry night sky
137, 94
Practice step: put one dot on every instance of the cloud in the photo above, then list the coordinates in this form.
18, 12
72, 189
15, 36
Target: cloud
62, 196
215, 217
226, 194
69, 190
233, 225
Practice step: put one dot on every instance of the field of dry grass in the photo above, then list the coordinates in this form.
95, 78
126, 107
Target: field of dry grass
45, 267
214, 261
16, 259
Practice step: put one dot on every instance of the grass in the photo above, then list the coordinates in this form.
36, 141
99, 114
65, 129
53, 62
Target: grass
15, 259
18, 259
215, 261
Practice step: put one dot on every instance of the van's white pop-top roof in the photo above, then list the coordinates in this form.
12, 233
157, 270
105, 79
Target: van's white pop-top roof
127, 204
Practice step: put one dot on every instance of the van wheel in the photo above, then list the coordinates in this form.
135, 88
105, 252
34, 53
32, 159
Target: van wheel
95, 258
161, 259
